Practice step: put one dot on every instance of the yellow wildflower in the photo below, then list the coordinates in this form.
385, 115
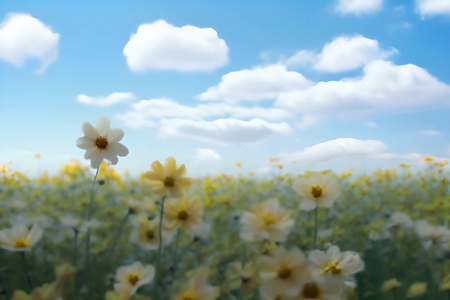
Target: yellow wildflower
416, 289
390, 285
185, 213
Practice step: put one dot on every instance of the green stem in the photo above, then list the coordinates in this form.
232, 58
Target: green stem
89, 214
25, 268
75, 247
174, 257
158, 259
316, 212
122, 225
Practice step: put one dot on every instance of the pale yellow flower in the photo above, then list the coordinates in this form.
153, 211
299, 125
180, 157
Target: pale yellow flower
284, 273
168, 179
49, 291
268, 220
317, 190
238, 164
20, 237
196, 289
334, 265
246, 279
432, 235
416, 289
101, 142
390, 285
428, 158
133, 277
145, 233
185, 213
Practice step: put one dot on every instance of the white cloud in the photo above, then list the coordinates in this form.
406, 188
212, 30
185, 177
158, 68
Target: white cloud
160, 45
430, 132
370, 124
207, 155
23, 37
223, 131
342, 54
429, 8
383, 88
111, 99
146, 113
358, 7
259, 83
338, 148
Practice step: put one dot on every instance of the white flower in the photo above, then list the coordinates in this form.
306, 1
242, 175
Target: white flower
20, 237
317, 190
101, 142
432, 235
335, 265
399, 220
133, 277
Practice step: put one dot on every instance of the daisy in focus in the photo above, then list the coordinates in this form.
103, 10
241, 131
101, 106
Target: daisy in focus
133, 277
317, 190
20, 237
168, 179
102, 142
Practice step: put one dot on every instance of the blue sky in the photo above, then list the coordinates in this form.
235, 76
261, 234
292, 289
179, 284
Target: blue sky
328, 84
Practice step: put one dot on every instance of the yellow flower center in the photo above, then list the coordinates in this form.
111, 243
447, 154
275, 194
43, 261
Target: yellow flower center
333, 268
21, 243
169, 182
310, 291
101, 142
284, 273
316, 191
133, 278
183, 215
150, 235
268, 219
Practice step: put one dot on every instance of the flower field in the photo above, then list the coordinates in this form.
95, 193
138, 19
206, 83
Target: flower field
164, 235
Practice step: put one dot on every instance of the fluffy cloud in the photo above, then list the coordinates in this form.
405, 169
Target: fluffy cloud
223, 131
146, 113
342, 54
358, 7
429, 8
384, 87
207, 155
160, 45
23, 37
338, 148
260, 83
111, 99
430, 132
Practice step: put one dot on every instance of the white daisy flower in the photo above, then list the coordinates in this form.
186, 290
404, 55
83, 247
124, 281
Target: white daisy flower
20, 237
101, 142
133, 277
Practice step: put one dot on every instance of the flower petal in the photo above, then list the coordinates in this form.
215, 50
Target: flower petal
115, 135
85, 143
103, 126
96, 160
118, 149
112, 157
89, 130
170, 166
158, 169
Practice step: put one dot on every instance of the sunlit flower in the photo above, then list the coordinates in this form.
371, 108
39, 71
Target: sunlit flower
196, 289
37, 155
145, 233
20, 237
101, 142
133, 277
390, 285
428, 158
432, 235
268, 220
284, 273
238, 164
168, 179
185, 213
317, 190
416, 289
338, 266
